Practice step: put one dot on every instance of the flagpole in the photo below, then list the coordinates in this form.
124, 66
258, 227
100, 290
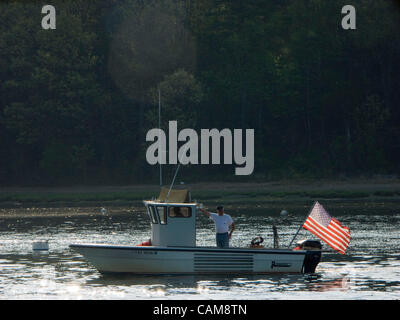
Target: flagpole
298, 230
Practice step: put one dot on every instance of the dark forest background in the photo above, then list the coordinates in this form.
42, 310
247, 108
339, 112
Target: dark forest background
76, 102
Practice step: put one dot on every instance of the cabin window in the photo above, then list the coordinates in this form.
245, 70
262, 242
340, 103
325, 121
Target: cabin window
180, 212
162, 214
153, 214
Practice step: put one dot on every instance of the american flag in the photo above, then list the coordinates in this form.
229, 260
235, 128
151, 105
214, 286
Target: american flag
327, 228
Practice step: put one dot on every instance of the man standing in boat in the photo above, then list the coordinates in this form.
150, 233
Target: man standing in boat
222, 223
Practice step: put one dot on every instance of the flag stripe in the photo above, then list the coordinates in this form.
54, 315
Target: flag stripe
345, 230
338, 232
328, 236
327, 228
325, 238
331, 231
321, 236
337, 235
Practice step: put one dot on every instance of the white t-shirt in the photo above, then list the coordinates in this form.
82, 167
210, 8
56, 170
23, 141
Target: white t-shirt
222, 223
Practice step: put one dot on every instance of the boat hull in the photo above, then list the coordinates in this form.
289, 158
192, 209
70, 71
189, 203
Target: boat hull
196, 260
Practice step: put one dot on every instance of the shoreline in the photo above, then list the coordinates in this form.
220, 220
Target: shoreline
348, 183
30, 199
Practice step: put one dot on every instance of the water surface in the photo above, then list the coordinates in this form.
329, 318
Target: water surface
370, 270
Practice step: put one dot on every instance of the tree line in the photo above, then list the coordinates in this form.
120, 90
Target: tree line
76, 102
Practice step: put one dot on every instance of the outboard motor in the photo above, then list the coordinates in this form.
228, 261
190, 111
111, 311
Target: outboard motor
308, 245
313, 254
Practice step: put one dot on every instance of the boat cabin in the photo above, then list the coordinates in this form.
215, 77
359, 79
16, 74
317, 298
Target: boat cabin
173, 219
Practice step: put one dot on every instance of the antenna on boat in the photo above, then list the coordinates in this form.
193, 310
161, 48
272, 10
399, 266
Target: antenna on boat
159, 126
173, 181
176, 173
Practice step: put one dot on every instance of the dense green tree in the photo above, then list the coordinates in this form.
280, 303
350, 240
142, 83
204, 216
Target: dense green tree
180, 95
76, 102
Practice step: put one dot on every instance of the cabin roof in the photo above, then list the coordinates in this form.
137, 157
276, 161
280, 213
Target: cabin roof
174, 196
159, 203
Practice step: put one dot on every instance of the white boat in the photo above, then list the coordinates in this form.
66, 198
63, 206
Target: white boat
172, 249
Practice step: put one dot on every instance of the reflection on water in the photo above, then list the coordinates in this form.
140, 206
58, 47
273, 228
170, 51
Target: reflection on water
370, 270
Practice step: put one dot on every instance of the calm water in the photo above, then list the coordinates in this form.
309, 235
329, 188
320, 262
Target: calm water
370, 270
